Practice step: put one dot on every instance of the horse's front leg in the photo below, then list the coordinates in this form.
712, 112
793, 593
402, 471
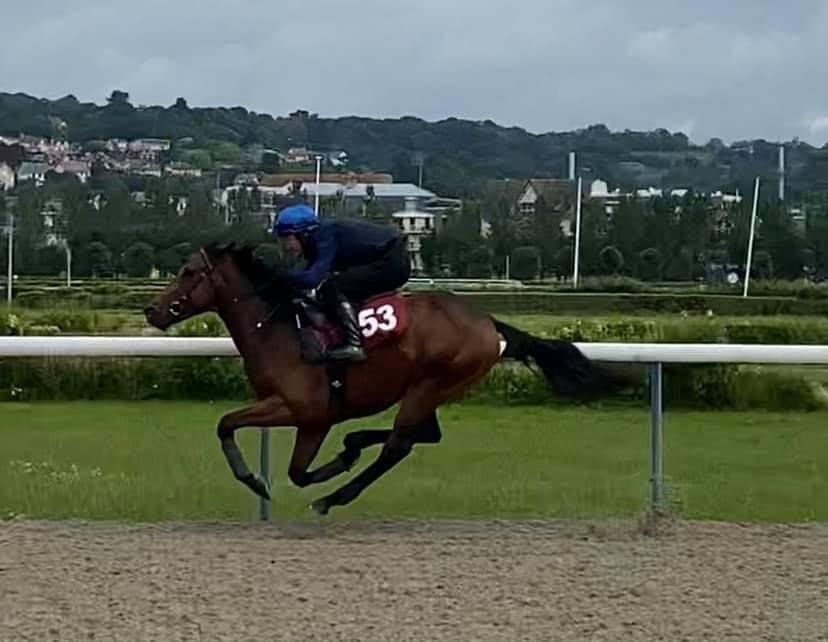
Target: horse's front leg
265, 413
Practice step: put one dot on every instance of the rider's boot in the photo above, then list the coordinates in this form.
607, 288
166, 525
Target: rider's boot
351, 349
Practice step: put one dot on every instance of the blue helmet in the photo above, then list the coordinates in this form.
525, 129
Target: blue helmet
295, 219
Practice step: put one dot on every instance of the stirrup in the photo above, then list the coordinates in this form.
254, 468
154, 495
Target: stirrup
347, 353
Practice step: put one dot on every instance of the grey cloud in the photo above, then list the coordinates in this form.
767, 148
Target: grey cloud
732, 70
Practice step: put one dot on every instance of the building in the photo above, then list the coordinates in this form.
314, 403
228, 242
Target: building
33, 172
555, 192
182, 169
351, 198
344, 178
81, 169
148, 147
415, 224
7, 177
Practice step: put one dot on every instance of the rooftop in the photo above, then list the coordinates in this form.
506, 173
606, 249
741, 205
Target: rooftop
360, 190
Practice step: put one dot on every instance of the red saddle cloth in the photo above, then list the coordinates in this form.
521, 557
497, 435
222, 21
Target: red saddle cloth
381, 318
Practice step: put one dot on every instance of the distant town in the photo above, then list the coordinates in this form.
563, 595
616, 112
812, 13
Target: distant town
416, 211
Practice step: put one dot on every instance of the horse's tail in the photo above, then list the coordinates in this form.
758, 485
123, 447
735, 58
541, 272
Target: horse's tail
567, 370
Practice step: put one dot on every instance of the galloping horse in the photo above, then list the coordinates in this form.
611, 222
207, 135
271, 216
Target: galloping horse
424, 349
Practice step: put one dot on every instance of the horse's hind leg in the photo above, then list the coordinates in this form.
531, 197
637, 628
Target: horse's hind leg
354, 443
428, 432
416, 422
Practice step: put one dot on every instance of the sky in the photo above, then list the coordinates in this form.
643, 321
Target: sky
737, 70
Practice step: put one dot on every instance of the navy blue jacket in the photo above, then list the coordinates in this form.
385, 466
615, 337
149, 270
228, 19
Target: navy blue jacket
338, 244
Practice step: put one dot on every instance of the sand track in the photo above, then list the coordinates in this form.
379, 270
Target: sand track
412, 581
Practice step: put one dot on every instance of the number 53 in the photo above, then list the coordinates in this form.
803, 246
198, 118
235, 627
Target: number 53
381, 318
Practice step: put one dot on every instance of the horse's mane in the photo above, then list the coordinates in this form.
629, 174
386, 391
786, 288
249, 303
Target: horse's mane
243, 255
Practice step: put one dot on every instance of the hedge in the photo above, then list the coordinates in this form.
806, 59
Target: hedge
800, 288
623, 303
522, 302
676, 329
203, 378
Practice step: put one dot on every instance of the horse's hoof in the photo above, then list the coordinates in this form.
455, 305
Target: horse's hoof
260, 487
320, 507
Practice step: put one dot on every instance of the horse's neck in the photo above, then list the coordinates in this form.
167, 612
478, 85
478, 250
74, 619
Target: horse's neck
242, 319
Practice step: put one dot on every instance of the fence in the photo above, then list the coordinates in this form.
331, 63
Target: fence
654, 354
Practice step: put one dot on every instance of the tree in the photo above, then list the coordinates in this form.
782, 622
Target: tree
99, 258
526, 263
625, 234
171, 259
118, 98
459, 245
816, 233
783, 243
138, 259
548, 236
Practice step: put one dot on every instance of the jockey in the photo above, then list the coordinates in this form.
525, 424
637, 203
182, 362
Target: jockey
348, 261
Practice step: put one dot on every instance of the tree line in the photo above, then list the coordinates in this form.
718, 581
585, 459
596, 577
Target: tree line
109, 231
457, 156
658, 239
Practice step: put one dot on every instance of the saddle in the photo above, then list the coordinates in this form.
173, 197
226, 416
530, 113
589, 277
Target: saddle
382, 318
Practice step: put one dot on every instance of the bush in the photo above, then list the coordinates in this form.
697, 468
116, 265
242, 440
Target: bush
130, 379
206, 378
596, 295
583, 303
65, 321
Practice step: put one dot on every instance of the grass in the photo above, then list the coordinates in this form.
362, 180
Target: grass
150, 461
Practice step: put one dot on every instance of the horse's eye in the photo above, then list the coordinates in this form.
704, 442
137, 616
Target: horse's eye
186, 272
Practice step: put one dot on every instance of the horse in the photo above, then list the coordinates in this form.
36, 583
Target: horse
424, 349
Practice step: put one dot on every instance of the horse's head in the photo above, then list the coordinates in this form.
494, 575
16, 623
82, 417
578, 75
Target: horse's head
213, 277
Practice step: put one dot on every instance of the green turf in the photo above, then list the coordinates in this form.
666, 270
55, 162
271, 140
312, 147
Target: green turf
158, 461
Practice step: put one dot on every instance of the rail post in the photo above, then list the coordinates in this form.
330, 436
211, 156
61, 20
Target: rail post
656, 436
264, 471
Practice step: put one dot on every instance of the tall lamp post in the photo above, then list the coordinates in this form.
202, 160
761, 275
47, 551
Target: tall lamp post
316, 195
9, 229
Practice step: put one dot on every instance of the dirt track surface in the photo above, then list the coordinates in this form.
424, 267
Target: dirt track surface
412, 581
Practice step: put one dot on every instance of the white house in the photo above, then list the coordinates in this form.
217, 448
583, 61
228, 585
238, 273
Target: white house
415, 225
81, 169
7, 177
552, 190
33, 172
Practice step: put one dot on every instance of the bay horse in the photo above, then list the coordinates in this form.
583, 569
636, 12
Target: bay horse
424, 349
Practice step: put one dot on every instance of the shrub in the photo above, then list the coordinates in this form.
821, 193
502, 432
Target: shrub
206, 378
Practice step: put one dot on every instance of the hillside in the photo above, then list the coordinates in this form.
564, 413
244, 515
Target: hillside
459, 155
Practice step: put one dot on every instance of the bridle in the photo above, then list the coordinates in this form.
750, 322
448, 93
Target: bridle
175, 306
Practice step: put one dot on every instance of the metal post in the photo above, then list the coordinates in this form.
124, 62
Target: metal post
752, 234
656, 442
264, 471
577, 258
316, 197
68, 265
10, 274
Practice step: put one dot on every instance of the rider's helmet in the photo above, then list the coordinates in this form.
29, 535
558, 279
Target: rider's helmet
295, 219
